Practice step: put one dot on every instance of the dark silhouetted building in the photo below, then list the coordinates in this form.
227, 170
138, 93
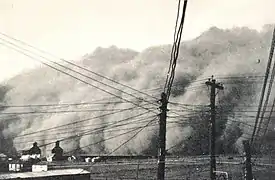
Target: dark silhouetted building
35, 149
58, 152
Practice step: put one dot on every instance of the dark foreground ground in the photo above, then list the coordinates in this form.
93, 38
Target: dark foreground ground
192, 172
175, 169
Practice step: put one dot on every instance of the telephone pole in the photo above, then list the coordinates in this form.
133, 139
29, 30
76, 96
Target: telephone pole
248, 166
162, 137
212, 129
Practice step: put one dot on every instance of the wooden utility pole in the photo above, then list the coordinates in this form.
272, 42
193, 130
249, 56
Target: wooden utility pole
137, 170
212, 128
248, 166
162, 137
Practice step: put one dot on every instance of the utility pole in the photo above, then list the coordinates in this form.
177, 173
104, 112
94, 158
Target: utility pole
248, 166
162, 137
137, 170
212, 126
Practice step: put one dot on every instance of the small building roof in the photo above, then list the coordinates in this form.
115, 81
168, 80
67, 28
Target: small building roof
58, 172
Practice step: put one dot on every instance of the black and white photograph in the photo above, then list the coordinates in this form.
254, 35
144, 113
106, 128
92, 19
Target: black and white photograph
137, 89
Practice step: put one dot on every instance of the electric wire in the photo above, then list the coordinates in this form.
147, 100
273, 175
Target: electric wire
73, 71
79, 78
63, 112
92, 131
270, 85
264, 86
173, 46
132, 137
269, 117
102, 126
73, 123
106, 139
88, 70
65, 67
108, 128
175, 53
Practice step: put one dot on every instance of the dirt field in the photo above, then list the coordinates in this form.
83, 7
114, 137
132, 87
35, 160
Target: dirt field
175, 169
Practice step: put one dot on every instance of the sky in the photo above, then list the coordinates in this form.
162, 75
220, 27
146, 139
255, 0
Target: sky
72, 28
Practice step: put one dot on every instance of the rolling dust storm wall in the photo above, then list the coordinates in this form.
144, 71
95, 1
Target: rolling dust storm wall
222, 53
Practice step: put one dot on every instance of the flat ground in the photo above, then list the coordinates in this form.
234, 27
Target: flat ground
176, 168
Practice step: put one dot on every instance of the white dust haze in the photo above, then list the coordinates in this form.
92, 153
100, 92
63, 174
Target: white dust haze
222, 53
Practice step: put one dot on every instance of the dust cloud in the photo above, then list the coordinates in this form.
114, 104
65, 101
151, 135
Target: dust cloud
230, 55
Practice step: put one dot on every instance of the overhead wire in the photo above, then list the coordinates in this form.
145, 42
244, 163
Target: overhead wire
175, 53
173, 46
63, 112
106, 139
228, 120
73, 123
103, 125
269, 118
62, 104
65, 132
85, 82
94, 102
240, 77
92, 131
107, 127
13, 117
264, 86
74, 64
57, 128
71, 70
99, 131
132, 137
271, 81
235, 115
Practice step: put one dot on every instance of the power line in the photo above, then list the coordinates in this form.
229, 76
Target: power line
96, 132
192, 105
270, 84
112, 127
60, 105
227, 120
72, 71
56, 112
173, 47
240, 77
132, 137
73, 123
104, 140
94, 102
109, 79
103, 125
79, 78
264, 85
269, 117
58, 127
166, 94
92, 131
88, 70
175, 51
